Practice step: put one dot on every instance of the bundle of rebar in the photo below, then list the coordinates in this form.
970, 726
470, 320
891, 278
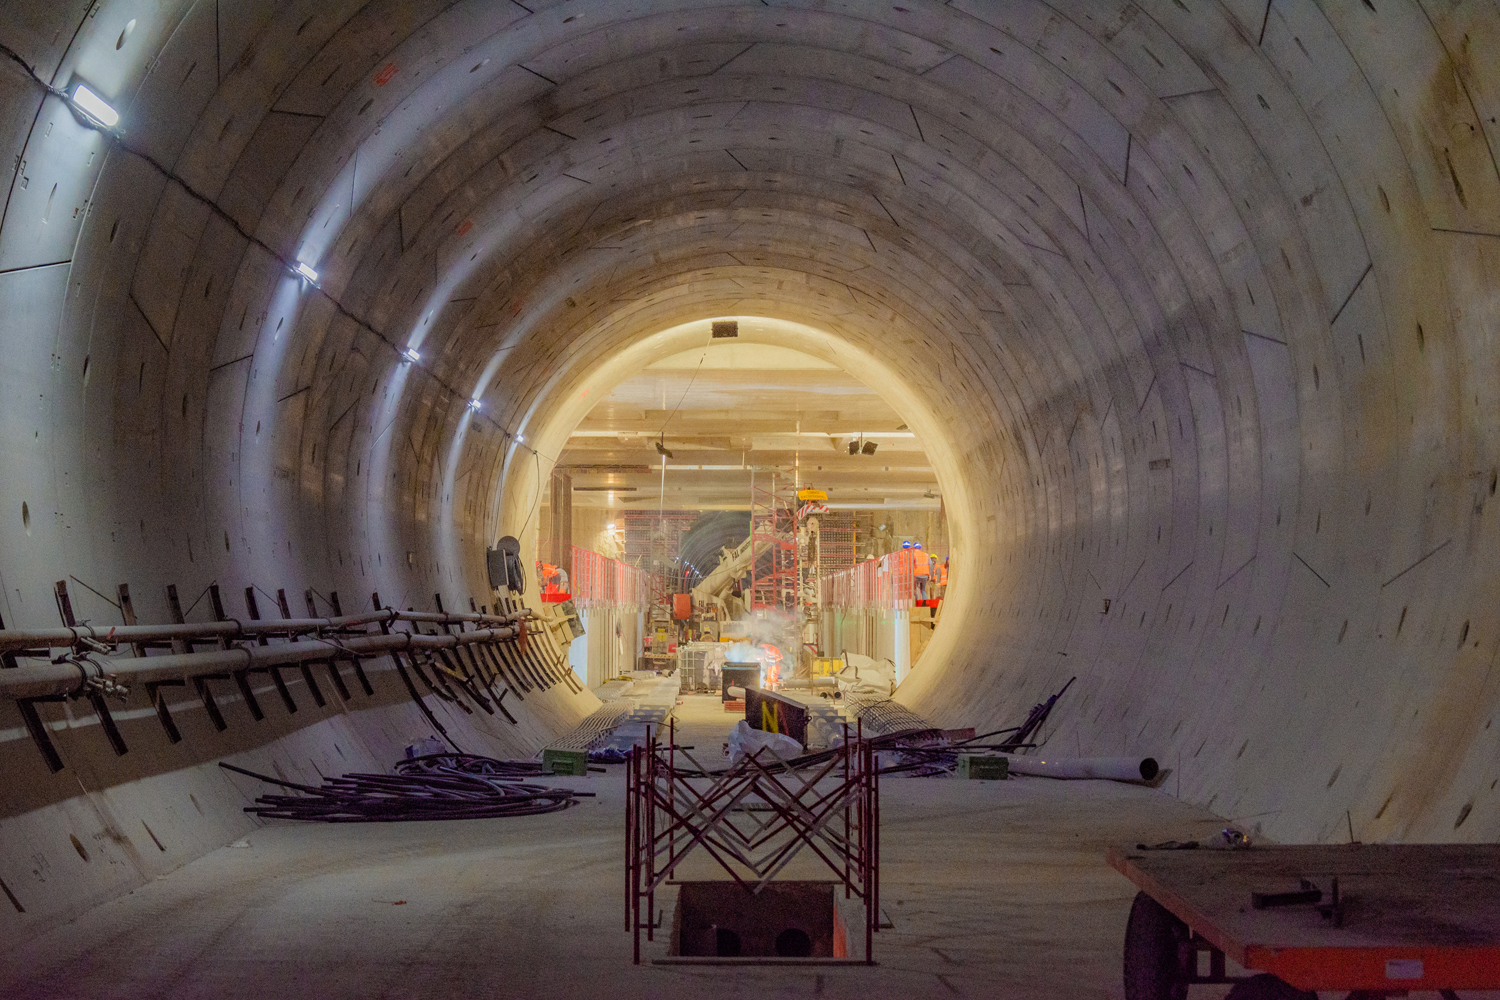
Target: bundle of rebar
437, 793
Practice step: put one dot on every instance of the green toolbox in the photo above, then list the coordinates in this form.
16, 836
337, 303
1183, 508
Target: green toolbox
570, 762
983, 768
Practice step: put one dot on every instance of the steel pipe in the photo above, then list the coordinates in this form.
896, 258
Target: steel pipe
809, 683
70, 677
453, 618
81, 635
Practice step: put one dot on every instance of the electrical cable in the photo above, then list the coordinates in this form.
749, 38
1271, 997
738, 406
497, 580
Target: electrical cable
536, 501
440, 786
701, 358
468, 763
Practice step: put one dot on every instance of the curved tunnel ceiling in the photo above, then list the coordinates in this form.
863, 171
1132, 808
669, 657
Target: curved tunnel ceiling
1194, 306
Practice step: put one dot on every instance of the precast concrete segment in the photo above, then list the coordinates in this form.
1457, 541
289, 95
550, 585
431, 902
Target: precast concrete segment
1192, 306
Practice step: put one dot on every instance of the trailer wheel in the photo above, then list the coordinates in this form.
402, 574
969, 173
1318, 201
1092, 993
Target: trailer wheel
1156, 952
1267, 987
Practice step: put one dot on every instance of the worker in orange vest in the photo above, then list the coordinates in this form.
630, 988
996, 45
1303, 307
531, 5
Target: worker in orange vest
943, 578
554, 579
921, 570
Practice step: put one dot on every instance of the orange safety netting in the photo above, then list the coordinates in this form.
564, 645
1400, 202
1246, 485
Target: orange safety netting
883, 584
601, 582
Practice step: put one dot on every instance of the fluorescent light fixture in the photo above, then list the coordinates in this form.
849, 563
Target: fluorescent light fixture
306, 272
474, 405
521, 438
410, 354
94, 107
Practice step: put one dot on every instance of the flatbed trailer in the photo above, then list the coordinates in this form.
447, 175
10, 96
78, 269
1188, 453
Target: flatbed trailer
1373, 919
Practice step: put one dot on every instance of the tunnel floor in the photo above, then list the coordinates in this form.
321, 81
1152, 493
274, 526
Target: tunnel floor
992, 888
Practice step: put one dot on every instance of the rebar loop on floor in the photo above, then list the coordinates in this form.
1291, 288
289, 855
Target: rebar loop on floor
752, 818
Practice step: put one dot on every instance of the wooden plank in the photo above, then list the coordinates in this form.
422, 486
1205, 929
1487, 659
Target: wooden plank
1417, 916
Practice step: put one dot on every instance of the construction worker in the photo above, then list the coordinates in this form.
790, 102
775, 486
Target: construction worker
554, 579
921, 571
943, 578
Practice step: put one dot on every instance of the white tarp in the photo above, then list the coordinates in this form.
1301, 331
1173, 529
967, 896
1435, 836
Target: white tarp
744, 741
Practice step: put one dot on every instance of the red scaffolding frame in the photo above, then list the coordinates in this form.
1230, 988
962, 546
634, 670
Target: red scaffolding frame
773, 533
673, 810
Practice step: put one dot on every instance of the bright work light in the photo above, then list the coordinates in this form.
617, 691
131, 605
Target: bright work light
94, 107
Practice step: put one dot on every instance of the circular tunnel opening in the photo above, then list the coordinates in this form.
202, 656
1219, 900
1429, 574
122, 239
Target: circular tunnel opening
760, 483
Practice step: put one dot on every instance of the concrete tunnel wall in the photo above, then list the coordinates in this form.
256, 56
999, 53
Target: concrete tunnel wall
1194, 304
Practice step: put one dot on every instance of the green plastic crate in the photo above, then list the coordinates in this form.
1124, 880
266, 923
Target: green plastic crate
569, 762
983, 768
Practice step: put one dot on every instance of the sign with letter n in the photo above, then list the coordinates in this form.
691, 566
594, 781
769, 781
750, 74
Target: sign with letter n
772, 713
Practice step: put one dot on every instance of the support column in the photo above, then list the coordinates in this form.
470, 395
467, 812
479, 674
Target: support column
580, 648
560, 549
902, 643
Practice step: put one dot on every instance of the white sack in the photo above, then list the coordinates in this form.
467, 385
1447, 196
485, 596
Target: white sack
744, 741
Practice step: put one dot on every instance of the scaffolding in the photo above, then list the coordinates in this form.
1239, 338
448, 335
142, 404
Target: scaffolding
773, 531
811, 542
836, 542
653, 541
752, 818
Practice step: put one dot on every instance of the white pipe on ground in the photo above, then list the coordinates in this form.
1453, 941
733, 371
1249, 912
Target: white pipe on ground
1105, 768
810, 683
